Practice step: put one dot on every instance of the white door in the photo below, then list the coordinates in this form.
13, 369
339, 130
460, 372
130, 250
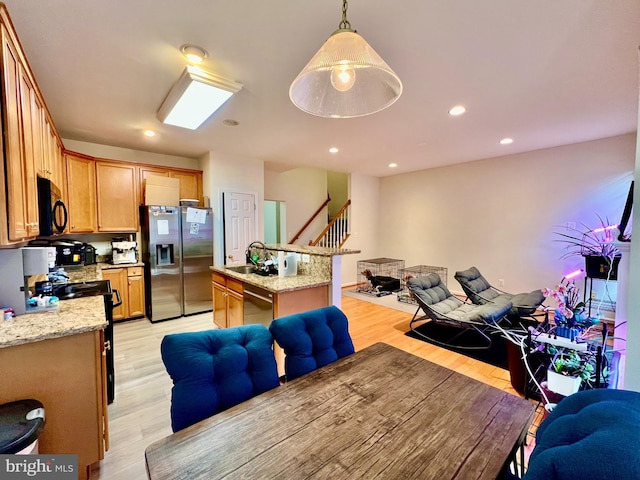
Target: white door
239, 225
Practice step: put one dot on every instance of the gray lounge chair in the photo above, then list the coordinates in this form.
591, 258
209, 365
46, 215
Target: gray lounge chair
442, 307
481, 292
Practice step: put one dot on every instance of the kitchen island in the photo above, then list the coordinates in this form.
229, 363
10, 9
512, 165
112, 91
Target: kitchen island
245, 298
57, 357
317, 283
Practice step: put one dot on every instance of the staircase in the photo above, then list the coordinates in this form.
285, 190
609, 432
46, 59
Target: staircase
337, 231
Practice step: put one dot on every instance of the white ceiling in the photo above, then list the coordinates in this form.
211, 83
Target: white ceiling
545, 72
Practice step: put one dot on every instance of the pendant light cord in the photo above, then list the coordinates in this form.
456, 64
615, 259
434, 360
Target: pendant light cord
344, 24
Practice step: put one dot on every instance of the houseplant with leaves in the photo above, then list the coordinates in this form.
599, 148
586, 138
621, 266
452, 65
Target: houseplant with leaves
596, 245
567, 370
570, 316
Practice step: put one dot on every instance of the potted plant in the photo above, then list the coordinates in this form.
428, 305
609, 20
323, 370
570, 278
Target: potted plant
597, 246
570, 316
566, 372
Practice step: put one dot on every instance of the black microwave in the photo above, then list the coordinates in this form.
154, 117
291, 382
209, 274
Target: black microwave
51, 209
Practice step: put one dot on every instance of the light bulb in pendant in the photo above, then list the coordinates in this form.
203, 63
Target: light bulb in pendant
343, 77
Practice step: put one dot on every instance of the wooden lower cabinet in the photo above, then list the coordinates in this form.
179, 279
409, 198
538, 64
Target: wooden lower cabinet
135, 280
227, 294
66, 375
228, 307
129, 281
296, 301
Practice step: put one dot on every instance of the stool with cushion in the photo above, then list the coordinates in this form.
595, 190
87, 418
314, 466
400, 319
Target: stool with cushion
312, 339
214, 370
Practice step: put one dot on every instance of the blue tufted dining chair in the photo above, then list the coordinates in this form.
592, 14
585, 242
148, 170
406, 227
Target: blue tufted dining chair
312, 339
214, 370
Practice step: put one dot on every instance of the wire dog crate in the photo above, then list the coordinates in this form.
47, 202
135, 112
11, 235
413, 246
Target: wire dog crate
404, 295
379, 276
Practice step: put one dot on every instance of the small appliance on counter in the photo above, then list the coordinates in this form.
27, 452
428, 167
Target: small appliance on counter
69, 252
89, 254
123, 251
25, 269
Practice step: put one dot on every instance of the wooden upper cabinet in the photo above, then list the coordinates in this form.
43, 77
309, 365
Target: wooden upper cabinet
145, 172
117, 197
81, 188
190, 180
18, 227
30, 141
27, 138
190, 183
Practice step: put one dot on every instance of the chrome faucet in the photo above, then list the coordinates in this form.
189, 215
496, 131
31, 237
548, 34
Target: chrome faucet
250, 257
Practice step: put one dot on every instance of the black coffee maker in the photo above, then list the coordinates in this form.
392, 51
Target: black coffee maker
69, 252
89, 254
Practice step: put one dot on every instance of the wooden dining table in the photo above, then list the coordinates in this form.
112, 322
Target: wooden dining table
379, 413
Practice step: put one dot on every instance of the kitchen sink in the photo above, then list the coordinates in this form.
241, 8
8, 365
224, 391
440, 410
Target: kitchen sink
243, 269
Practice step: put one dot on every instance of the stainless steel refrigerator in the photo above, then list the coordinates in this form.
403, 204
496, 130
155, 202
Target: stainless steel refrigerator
177, 249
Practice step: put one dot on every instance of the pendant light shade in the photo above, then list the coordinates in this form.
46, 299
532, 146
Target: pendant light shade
346, 78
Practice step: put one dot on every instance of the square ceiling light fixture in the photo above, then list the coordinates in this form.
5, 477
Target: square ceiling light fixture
195, 97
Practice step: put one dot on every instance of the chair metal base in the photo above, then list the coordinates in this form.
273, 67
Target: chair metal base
451, 341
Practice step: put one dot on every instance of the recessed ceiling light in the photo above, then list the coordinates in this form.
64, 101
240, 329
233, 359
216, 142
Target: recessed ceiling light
149, 133
333, 150
457, 110
393, 165
194, 53
506, 141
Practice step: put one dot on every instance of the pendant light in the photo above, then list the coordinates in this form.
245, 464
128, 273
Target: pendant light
346, 78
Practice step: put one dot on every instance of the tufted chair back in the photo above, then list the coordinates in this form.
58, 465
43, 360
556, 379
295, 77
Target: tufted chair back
214, 370
590, 435
312, 339
475, 286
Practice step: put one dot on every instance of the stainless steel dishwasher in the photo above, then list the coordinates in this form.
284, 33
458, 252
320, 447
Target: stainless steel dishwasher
258, 305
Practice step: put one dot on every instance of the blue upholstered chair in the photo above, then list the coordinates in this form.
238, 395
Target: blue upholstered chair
590, 435
312, 339
216, 369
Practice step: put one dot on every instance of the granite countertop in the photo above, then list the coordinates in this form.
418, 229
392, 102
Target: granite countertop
75, 316
274, 283
108, 266
320, 251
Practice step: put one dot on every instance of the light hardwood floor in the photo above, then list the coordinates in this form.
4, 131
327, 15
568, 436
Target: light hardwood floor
140, 412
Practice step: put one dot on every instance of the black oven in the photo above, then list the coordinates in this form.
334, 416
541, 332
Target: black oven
66, 291
51, 209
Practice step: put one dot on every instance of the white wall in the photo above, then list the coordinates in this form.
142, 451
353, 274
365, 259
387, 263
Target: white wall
632, 361
303, 190
499, 214
126, 154
228, 173
338, 188
365, 224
